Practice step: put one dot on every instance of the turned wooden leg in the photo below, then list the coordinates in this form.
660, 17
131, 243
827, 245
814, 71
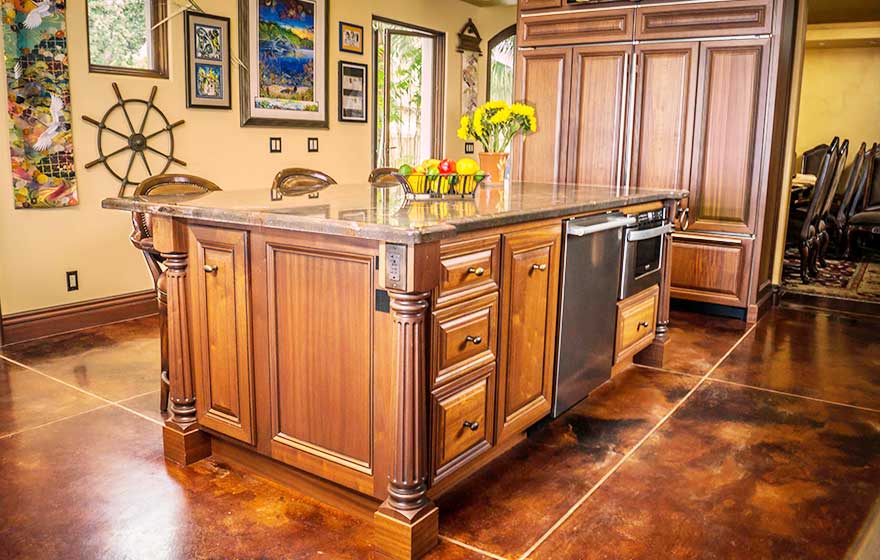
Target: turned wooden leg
653, 354
822, 245
407, 522
184, 442
164, 384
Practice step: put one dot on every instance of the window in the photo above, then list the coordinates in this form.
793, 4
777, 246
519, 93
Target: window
502, 48
408, 93
122, 39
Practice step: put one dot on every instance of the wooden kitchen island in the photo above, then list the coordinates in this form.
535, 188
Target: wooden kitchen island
369, 350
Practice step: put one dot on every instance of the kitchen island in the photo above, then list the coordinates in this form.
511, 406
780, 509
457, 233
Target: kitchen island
369, 350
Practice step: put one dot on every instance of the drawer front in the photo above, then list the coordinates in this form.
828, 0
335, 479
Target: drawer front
636, 320
464, 337
576, 27
468, 268
706, 19
712, 269
462, 421
538, 4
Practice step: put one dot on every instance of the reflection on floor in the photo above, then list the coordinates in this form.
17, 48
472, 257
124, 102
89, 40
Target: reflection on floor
759, 442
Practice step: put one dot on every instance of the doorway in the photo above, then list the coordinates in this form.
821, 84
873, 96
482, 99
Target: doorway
499, 71
408, 93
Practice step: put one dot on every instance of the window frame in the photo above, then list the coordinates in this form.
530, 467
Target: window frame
158, 12
502, 35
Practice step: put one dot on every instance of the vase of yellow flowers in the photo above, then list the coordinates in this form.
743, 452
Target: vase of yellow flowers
494, 125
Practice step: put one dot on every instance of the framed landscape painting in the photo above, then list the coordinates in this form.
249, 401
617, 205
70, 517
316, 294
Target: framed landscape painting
284, 44
207, 61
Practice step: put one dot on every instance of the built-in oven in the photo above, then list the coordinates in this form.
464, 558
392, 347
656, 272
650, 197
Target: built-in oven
643, 244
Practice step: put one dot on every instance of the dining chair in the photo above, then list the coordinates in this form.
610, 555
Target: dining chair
826, 225
142, 238
811, 160
851, 188
384, 177
867, 219
808, 239
299, 180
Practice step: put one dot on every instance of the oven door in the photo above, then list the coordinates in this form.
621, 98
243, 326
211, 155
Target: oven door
642, 254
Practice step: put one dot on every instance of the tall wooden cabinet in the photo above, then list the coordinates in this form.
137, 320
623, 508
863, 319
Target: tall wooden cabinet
671, 95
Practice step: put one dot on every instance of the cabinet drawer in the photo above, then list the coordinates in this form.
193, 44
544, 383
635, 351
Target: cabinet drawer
711, 268
576, 27
636, 320
538, 4
468, 268
464, 337
462, 421
705, 19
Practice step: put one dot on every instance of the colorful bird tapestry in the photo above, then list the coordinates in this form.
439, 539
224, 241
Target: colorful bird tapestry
37, 76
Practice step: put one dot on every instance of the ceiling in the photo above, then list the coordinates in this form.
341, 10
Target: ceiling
842, 11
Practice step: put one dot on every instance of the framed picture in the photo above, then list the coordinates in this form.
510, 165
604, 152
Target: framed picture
207, 61
352, 92
351, 38
284, 44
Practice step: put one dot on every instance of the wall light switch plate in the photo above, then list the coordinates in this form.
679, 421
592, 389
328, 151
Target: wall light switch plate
274, 145
313, 145
468, 147
72, 281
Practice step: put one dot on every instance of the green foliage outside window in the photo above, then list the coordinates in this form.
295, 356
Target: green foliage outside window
119, 33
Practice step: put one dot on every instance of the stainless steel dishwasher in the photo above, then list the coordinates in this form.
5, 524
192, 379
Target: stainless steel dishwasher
588, 306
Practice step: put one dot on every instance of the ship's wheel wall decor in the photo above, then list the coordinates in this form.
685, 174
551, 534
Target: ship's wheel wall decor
136, 140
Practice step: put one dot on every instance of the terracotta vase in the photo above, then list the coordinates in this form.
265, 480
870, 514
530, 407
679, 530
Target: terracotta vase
495, 164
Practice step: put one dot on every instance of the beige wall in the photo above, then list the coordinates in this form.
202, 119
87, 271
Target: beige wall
38, 246
839, 97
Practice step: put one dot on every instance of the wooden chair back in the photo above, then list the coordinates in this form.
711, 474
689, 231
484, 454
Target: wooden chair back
384, 177
296, 180
872, 187
820, 191
855, 178
842, 156
142, 230
811, 160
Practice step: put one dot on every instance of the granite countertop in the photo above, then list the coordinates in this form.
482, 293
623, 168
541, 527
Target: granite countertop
360, 210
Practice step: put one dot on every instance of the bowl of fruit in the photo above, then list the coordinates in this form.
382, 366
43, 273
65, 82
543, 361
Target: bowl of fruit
436, 178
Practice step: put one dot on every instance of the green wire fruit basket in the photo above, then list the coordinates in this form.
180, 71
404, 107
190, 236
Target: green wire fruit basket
444, 185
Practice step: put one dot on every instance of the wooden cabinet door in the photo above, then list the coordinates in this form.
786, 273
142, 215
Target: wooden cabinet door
711, 268
729, 135
544, 83
528, 327
536, 4
663, 118
221, 330
600, 78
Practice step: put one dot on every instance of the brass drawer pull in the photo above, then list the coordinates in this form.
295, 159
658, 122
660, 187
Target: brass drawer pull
474, 339
478, 271
211, 269
472, 426
541, 267
642, 324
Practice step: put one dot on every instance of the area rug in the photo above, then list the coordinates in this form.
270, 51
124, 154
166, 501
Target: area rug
840, 279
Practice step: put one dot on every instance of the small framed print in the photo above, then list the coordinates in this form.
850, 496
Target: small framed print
351, 38
352, 92
207, 61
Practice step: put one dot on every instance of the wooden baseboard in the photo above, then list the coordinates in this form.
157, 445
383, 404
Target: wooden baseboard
28, 325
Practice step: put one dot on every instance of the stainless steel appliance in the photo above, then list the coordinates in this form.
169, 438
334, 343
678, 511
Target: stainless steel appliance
642, 251
588, 306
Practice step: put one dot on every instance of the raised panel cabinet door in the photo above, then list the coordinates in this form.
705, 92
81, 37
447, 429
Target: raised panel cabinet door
704, 19
663, 115
537, 4
575, 27
543, 83
530, 287
600, 77
221, 323
729, 135
711, 268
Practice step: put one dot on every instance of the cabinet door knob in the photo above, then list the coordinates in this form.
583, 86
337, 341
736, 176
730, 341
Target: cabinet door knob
478, 271
210, 269
642, 324
542, 267
472, 426
474, 339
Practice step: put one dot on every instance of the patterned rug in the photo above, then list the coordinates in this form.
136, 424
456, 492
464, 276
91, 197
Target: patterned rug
840, 279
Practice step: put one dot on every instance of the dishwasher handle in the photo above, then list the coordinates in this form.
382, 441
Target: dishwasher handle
611, 223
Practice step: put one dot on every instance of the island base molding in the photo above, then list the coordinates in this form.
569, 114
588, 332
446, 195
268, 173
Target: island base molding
404, 539
185, 448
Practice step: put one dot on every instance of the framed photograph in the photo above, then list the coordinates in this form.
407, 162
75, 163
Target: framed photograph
207, 61
351, 38
284, 44
352, 92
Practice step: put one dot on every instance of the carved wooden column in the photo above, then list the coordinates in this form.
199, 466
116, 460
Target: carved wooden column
183, 441
407, 522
